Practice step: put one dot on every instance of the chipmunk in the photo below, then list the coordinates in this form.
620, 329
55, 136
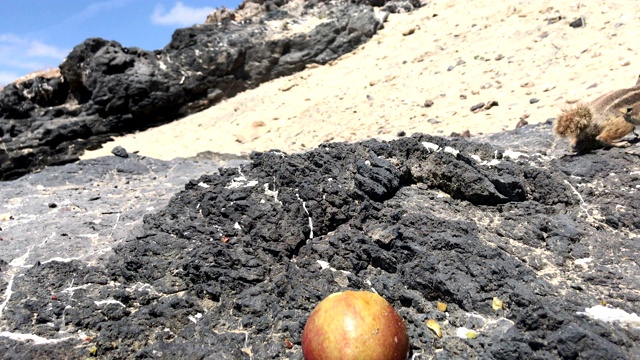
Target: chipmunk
602, 122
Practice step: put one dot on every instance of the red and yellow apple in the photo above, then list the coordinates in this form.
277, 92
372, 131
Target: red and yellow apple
355, 325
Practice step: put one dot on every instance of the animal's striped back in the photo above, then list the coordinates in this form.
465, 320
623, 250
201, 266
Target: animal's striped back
617, 102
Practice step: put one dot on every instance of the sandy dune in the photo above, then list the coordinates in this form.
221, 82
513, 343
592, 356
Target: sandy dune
456, 54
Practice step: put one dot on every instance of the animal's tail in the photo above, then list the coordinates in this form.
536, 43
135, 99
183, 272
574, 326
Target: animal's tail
573, 121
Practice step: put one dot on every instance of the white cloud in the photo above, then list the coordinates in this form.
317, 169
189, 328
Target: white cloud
17, 51
180, 15
10, 39
96, 8
38, 49
21, 55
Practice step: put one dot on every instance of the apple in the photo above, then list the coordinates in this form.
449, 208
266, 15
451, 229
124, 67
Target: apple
355, 325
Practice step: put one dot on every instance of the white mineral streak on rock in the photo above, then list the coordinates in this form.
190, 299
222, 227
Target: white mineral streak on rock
609, 314
38, 340
431, 146
452, 151
513, 154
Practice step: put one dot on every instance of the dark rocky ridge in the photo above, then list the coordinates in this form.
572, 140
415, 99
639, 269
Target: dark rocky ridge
107, 89
236, 261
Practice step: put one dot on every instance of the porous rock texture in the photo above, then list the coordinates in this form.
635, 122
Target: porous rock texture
106, 89
234, 264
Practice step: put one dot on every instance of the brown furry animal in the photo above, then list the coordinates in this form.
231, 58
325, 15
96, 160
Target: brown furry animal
602, 122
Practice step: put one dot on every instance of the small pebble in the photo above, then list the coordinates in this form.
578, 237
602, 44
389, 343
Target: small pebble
521, 123
465, 134
578, 23
428, 103
533, 100
401, 133
490, 104
553, 20
119, 151
477, 107
409, 31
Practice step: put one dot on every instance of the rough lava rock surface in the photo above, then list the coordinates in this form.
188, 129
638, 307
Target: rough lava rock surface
233, 265
107, 89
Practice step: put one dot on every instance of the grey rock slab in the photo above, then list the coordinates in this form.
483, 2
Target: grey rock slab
82, 210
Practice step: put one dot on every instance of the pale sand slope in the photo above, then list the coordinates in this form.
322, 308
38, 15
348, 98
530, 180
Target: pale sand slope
381, 88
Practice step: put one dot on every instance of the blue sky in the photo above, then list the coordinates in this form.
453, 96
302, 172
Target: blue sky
38, 34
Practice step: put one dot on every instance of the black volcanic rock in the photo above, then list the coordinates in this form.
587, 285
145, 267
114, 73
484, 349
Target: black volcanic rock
233, 265
107, 89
